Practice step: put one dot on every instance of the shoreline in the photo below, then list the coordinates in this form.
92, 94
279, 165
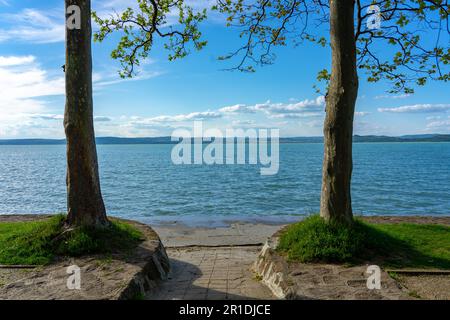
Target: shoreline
231, 232
244, 233
211, 222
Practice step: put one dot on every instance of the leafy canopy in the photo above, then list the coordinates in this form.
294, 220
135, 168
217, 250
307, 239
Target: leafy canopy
151, 19
416, 30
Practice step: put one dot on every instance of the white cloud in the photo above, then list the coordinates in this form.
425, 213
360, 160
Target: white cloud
102, 119
417, 108
185, 117
37, 26
23, 82
138, 126
295, 115
164, 124
23, 87
33, 26
304, 108
243, 123
369, 127
400, 96
439, 126
112, 79
15, 61
47, 116
38, 121
315, 124
238, 108
434, 118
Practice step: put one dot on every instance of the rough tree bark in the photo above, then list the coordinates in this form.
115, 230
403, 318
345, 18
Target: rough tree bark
336, 204
85, 202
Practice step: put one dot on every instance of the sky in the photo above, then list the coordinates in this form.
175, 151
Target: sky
166, 95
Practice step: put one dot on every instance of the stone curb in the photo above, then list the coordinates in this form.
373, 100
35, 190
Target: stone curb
273, 270
153, 272
284, 281
127, 276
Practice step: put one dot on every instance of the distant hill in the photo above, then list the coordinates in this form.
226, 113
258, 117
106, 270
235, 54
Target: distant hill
167, 140
372, 138
100, 140
19, 142
407, 138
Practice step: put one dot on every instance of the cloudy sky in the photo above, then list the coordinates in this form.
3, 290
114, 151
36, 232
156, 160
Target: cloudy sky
166, 95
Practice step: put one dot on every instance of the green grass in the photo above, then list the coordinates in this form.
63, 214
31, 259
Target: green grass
403, 245
38, 242
314, 240
410, 245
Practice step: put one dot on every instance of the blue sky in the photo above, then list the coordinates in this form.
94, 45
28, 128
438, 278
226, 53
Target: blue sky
166, 95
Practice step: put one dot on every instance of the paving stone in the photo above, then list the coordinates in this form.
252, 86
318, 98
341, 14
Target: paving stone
212, 273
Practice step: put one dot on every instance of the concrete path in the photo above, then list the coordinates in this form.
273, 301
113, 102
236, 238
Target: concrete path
213, 263
212, 274
179, 235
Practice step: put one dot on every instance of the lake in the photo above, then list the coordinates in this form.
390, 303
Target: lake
140, 182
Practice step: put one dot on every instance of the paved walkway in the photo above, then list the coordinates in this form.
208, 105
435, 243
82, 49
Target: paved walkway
212, 273
213, 263
241, 234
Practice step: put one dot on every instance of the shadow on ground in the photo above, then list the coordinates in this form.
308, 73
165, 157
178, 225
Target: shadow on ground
211, 274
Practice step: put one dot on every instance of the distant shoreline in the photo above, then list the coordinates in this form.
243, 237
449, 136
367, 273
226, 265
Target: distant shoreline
167, 140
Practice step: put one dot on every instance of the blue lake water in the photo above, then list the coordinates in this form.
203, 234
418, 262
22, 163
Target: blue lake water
140, 182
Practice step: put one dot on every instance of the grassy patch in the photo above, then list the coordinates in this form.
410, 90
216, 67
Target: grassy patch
390, 245
409, 245
38, 242
314, 240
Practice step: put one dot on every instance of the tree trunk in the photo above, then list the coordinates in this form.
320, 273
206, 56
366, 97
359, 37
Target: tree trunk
85, 203
336, 203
